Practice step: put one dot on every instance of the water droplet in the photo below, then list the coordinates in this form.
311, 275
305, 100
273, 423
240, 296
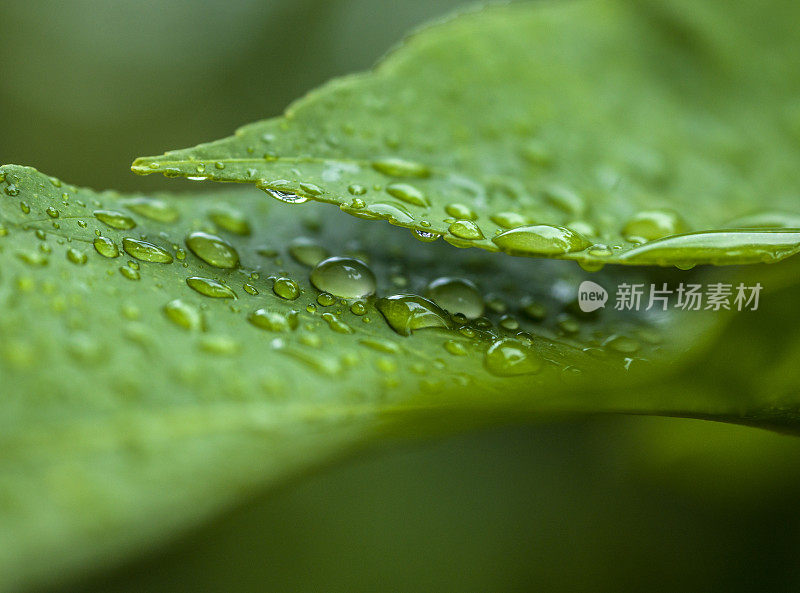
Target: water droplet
425, 236
456, 295
219, 344
219, 165
184, 315
509, 356
393, 212
622, 344
52, 212
396, 167
106, 247
460, 211
230, 220
12, 190
337, 324
508, 220
114, 219
146, 251
26, 209
344, 277
653, 224
273, 321
250, 289
407, 193
33, 258
455, 347
465, 229
76, 257
311, 189
157, 210
210, 288
358, 308
540, 239
407, 313
307, 251
357, 190
325, 299
129, 273
286, 288
281, 190
213, 250
565, 199
508, 322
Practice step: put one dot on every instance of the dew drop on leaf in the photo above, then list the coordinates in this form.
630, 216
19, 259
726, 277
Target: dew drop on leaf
184, 314
106, 247
407, 193
286, 288
212, 249
210, 288
456, 295
407, 313
509, 356
307, 251
396, 167
272, 320
146, 251
114, 219
465, 229
540, 239
76, 256
649, 225
344, 277
154, 209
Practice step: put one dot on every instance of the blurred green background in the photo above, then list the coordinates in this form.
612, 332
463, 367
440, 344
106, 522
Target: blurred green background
604, 504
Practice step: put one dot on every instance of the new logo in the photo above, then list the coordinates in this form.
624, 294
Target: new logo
591, 296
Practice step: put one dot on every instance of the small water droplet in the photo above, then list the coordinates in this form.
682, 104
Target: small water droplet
460, 211
129, 273
230, 220
407, 313
425, 236
154, 209
509, 357
184, 315
213, 250
396, 167
337, 324
210, 288
622, 344
326, 299
76, 257
540, 239
455, 348
250, 289
106, 247
273, 321
114, 219
565, 199
286, 288
653, 224
52, 212
281, 190
344, 277
146, 251
407, 193
465, 229
356, 189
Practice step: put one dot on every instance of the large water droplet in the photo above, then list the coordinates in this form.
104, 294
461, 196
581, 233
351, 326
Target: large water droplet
407, 313
649, 225
146, 251
456, 295
397, 167
344, 277
213, 250
114, 219
210, 288
509, 356
540, 239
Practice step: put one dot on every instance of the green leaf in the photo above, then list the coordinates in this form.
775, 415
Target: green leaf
661, 133
134, 406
